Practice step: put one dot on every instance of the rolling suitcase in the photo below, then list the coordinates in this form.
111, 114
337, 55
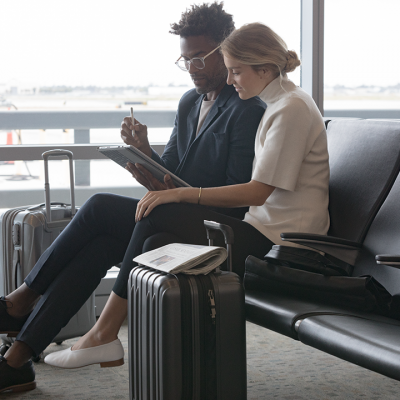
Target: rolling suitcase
26, 232
187, 335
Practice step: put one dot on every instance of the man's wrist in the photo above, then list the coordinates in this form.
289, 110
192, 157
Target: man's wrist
146, 149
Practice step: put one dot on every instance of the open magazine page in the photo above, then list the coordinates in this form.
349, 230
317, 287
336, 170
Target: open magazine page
186, 258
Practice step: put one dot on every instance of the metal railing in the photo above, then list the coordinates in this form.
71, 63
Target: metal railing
81, 122
364, 114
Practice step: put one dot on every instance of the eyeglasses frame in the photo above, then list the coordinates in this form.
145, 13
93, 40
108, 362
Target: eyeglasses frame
198, 58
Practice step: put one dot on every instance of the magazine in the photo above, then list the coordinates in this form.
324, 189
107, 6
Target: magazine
189, 259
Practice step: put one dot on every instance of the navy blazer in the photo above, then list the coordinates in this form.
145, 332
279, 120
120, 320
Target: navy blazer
223, 151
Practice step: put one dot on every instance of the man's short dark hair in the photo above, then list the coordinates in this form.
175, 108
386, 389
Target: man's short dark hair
205, 20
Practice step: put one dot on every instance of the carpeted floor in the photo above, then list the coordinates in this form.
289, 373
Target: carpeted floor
278, 368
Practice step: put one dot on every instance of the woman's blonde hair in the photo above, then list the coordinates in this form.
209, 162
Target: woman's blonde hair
259, 46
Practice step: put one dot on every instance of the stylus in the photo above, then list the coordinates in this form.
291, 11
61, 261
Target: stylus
133, 122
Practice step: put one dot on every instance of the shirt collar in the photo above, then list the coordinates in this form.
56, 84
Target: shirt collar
274, 90
225, 94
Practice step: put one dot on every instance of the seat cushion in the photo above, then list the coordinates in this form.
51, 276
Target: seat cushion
280, 312
371, 344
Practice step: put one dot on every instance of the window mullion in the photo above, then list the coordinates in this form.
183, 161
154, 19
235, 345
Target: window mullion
312, 50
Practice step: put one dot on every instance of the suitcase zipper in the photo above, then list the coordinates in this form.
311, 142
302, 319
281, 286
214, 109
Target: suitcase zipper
212, 305
187, 337
208, 331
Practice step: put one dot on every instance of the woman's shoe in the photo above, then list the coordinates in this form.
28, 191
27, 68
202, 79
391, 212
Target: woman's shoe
107, 355
8, 324
16, 379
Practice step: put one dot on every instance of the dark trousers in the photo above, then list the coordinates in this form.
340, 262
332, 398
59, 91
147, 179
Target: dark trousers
104, 233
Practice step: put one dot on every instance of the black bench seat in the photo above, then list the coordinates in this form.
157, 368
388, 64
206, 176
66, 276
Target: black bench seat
365, 208
371, 344
286, 314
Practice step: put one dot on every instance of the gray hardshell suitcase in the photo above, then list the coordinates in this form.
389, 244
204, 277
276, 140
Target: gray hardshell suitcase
187, 334
26, 232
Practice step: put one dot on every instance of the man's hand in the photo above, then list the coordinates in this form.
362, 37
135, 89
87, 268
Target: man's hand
135, 135
146, 178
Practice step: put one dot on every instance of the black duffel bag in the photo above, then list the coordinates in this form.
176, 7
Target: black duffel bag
307, 260
363, 293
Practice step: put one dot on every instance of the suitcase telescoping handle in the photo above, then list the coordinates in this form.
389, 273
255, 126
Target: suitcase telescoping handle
57, 153
211, 228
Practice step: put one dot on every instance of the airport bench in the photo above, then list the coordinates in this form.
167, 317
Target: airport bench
365, 229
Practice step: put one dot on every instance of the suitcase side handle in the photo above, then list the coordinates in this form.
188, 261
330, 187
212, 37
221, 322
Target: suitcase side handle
211, 228
56, 153
53, 203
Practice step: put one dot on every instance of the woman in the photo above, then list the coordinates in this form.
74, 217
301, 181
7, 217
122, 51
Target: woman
288, 191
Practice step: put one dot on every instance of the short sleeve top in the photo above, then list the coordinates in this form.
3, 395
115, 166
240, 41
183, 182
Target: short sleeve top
291, 154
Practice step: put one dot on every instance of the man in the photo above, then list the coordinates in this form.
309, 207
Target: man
212, 142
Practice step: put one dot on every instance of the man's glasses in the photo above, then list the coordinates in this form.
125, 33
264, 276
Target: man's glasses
197, 62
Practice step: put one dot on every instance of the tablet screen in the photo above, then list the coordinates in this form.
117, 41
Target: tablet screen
124, 154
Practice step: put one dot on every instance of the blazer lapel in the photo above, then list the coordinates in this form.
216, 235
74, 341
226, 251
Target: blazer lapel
193, 119
222, 98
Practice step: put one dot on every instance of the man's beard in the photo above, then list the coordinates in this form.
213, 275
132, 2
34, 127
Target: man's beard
214, 82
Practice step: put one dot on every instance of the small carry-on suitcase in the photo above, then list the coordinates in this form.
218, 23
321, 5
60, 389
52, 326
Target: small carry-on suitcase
187, 334
26, 232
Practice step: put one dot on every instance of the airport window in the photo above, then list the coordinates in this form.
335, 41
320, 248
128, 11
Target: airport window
361, 74
65, 57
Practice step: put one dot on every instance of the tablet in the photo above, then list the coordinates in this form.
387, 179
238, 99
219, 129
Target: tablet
124, 154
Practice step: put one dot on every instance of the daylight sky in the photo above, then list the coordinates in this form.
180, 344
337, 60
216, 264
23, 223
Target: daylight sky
126, 42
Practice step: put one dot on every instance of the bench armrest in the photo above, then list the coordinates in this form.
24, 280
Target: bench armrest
342, 249
388, 259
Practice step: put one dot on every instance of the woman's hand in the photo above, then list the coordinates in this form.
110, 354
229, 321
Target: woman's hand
253, 193
154, 199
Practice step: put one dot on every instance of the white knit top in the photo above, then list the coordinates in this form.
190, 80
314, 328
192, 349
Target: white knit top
291, 155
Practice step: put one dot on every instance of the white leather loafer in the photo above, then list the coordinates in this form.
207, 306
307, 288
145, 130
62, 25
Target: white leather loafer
107, 355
